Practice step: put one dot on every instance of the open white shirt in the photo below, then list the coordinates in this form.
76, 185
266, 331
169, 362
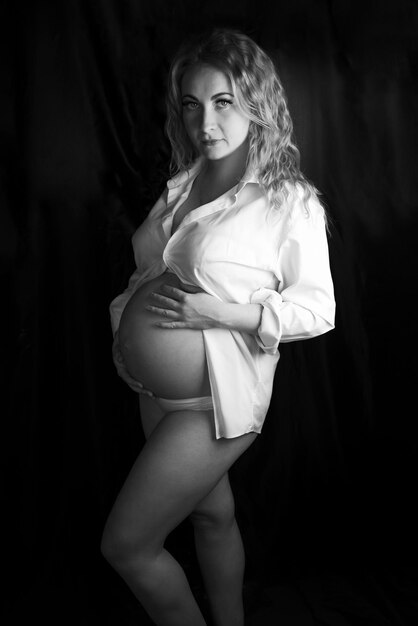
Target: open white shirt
240, 249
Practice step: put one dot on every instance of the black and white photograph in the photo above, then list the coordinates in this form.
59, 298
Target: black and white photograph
208, 246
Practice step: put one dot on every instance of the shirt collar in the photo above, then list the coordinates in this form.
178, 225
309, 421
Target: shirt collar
250, 176
187, 177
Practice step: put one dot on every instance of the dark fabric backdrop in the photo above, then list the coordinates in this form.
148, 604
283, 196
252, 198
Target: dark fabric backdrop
326, 497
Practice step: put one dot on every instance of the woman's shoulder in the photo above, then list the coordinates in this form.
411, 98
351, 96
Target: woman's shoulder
301, 200
300, 210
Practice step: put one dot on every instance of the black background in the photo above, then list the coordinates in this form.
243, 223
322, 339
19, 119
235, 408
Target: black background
326, 497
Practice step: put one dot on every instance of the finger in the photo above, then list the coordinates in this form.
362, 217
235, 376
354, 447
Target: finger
171, 303
172, 325
132, 381
123, 373
180, 293
133, 384
138, 387
146, 392
117, 354
164, 312
191, 288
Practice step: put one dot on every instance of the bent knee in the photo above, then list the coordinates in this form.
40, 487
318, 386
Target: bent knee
114, 546
131, 560
214, 518
120, 548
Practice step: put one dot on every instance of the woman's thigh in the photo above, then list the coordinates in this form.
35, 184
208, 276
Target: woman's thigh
151, 414
178, 467
219, 502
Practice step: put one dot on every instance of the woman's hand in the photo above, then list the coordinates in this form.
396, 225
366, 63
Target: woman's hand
135, 385
184, 307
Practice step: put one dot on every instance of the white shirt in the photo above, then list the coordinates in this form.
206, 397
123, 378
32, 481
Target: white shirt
240, 249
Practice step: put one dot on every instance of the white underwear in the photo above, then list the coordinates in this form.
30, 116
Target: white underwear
168, 405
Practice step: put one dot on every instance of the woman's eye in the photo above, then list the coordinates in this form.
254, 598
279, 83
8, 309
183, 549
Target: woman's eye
191, 106
223, 104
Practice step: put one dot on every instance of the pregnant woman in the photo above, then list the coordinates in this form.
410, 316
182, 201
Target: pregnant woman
231, 261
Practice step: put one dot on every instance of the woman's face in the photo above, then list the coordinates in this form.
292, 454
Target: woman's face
212, 120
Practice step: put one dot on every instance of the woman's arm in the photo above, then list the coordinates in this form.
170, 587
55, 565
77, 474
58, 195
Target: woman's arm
304, 304
302, 307
191, 307
243, 317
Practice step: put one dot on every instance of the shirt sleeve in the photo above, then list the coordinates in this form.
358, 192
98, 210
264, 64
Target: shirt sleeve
303, 305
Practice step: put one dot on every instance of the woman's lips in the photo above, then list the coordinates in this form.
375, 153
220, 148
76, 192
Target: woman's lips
211, 142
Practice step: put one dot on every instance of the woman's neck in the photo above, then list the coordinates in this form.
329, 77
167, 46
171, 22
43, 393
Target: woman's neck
226, 172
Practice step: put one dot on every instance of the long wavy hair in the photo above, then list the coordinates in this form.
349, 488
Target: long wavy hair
273, 155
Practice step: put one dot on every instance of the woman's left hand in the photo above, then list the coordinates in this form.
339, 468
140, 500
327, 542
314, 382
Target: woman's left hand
184, 307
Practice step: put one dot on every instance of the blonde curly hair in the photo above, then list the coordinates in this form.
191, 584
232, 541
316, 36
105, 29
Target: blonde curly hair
273, 155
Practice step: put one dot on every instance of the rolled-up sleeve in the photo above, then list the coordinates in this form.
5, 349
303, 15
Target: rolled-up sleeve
303, 306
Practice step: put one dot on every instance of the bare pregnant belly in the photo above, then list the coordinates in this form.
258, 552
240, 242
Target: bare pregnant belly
169, 362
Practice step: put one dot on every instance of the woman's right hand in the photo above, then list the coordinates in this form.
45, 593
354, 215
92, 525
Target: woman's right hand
135, 385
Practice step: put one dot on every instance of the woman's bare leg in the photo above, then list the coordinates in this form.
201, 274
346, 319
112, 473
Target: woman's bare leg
179, 465
151, 414
218, 540
220, 554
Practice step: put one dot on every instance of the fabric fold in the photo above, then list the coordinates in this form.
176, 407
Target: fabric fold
269, 332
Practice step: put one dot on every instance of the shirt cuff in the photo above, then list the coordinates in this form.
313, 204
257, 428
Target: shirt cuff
270, 330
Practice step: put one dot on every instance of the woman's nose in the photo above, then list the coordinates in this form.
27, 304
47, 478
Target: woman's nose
208, 121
